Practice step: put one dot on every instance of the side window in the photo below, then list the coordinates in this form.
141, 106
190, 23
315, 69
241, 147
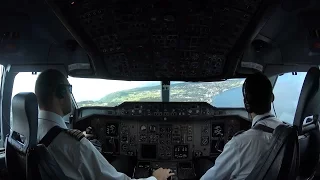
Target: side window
1, 73
287, 91
23, 82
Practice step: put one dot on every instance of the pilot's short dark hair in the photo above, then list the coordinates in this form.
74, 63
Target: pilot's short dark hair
46, 85
258, 93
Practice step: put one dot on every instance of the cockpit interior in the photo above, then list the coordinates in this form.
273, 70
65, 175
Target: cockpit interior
160, 81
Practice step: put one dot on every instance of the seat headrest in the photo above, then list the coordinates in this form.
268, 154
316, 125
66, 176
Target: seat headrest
25, 116
309, 100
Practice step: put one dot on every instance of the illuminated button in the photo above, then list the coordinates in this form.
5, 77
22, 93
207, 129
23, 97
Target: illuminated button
184, 156
143, 128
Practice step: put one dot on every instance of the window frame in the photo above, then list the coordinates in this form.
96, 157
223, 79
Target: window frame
7, 82
74, 103
274, 79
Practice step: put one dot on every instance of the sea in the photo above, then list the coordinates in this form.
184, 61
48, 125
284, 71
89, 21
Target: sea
285, 101
230, 98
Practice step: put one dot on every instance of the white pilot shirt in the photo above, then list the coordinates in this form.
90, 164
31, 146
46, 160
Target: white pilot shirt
242, 152
78, 159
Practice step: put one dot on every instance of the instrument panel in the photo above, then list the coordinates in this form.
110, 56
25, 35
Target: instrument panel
179, 133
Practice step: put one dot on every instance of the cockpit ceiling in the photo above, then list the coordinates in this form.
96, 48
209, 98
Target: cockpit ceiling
158, 40
190, 40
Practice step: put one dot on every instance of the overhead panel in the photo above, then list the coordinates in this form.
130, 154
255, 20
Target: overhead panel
157, 40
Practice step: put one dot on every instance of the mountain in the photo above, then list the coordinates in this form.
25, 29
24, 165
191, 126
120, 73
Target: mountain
184, 92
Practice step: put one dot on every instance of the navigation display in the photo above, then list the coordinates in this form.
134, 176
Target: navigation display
217, 130
112, 129
148, 151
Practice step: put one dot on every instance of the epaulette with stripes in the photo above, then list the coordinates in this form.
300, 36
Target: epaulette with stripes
238, 133
78, 135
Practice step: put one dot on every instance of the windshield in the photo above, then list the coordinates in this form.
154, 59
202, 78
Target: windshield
97, 92
101, 92
220, 94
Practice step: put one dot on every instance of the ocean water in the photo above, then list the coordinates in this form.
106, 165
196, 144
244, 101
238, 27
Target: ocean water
286, 91
230, 98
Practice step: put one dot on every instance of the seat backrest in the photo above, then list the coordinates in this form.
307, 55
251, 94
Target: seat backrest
307, 121
48, 168
281, 161
23, 136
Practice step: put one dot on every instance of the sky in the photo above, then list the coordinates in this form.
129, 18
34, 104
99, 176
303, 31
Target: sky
83, 88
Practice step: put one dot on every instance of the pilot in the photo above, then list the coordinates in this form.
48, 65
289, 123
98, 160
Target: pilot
242, 152
78, 159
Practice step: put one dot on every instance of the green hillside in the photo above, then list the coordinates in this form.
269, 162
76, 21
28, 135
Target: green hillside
184, 92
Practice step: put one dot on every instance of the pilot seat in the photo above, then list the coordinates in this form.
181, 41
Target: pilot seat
25, 158
307, 121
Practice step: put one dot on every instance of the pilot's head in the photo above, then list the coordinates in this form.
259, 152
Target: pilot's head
53, 92
257, 94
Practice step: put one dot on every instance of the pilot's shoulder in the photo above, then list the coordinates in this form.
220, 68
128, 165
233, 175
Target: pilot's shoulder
74, 133
240, 135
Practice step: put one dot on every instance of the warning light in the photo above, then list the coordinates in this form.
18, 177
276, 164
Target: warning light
72, 3
316, 45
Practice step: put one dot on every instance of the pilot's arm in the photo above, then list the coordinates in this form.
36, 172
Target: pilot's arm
92, 165
225, 164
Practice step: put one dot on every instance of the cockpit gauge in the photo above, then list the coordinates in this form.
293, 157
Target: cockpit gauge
143, 128
217, 130
124, 129
111, 129
152, 128
204, 141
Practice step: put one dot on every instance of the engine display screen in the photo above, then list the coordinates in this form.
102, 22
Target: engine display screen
181, 151
218, 130
112, 129
148, 151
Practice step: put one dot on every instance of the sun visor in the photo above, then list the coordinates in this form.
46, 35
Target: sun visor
80, 70
249, 67
80, 64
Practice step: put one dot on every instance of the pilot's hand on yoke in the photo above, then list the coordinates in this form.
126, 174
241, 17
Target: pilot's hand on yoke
162, 174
